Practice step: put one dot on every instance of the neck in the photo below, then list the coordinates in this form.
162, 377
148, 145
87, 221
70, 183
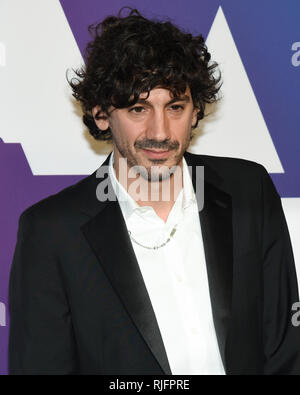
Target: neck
160, 195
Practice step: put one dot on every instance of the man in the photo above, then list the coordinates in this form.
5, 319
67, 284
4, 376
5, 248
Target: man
107, 279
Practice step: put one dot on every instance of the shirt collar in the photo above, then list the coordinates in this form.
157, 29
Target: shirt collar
128, 205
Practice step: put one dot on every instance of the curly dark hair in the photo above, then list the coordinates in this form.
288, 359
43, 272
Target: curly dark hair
131, 55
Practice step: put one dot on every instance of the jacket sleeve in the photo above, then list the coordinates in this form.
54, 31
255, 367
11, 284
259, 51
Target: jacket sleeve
41, 338
281, 338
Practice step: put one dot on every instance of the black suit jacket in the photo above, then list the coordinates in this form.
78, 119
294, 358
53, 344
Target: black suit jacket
78, 302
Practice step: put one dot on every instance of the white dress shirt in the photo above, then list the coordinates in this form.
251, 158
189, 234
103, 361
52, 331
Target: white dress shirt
175, 277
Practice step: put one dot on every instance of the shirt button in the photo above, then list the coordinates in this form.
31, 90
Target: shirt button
194, 331
179, 279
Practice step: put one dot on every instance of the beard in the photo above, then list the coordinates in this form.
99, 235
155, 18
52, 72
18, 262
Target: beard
151, 169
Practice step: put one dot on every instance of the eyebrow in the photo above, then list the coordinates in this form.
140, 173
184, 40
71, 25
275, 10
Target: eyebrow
184, 98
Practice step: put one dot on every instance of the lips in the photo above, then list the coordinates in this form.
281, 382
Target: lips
156, 154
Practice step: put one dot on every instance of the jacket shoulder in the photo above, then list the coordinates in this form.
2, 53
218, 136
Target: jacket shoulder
224, 164
60, 204
235, 174
229, 167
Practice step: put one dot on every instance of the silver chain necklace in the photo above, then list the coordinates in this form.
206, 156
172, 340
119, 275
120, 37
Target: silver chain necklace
173, 231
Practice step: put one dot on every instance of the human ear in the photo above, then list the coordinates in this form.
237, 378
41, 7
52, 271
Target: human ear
100, 118
194, 117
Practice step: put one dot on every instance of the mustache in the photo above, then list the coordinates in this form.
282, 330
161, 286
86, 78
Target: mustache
165, 145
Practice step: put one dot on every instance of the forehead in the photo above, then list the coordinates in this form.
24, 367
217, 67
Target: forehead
162, 94
157, 96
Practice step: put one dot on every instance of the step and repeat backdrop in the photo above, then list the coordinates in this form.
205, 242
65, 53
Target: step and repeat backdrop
44, 146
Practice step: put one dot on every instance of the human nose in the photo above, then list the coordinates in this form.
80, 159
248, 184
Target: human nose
158, 126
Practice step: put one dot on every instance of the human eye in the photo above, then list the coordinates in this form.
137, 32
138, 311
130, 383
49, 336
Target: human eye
137, 109
177, 107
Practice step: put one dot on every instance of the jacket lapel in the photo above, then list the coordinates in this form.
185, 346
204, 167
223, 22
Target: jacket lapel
107, 235
216, 226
